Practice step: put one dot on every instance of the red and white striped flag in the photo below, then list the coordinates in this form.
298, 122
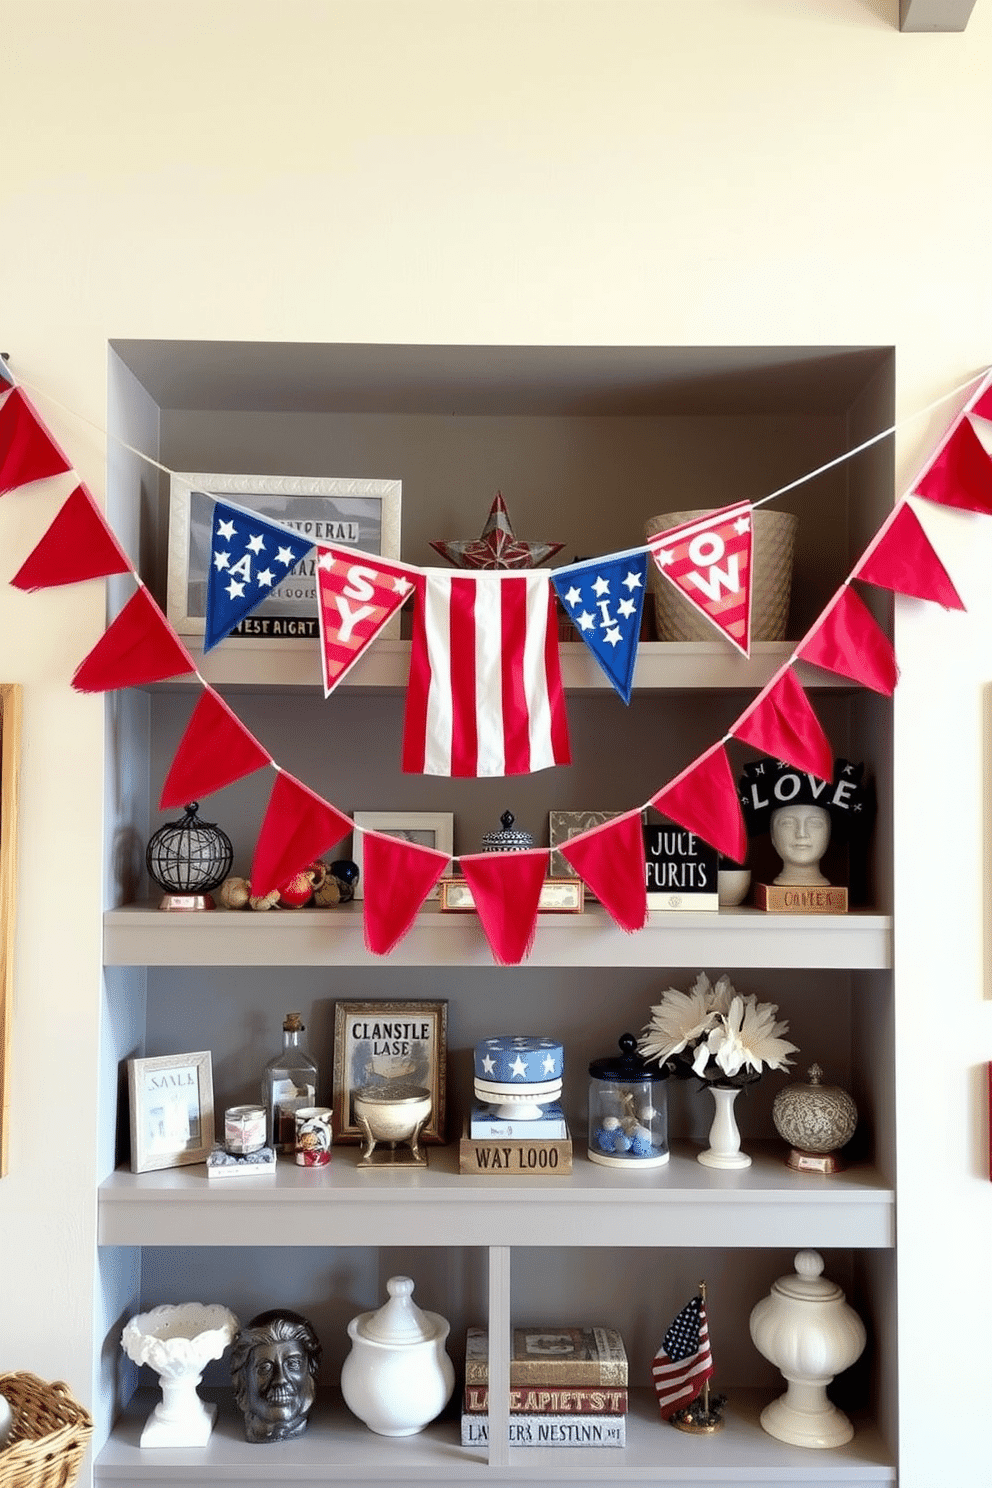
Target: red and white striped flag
485, 694
684, 1363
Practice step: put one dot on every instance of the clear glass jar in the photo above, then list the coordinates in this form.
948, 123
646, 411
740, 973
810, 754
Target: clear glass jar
289, 1081
628, 1110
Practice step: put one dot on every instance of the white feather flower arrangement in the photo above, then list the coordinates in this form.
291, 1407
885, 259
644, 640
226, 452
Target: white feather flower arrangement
725, 1039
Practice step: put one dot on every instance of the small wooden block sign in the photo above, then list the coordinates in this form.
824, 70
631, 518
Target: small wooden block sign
781, 899
495, 1159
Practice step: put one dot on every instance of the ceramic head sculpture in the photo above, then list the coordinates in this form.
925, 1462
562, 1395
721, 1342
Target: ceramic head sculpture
274, 1363
802, 812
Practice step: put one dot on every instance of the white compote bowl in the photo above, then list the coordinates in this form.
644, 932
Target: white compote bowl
177, 1342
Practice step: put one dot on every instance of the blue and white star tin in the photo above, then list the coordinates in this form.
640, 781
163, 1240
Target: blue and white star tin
509, 1060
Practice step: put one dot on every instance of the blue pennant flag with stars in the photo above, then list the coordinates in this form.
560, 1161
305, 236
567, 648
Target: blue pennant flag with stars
249, 556
604, 599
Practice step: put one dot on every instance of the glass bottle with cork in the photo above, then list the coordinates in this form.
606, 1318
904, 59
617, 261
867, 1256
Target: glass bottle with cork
289, 1081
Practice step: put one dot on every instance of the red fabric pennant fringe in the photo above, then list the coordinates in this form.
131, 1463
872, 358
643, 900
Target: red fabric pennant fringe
902, 558
140, 646
28, 452
704, 800
299, 825
610, 859
782, 723
848, 640
215, 750
506, 888
78, 545
960, 475
398, 877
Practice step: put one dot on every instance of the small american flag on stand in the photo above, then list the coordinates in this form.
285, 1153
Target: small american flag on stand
684, 1362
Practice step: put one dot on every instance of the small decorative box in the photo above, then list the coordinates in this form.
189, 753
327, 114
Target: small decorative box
509, 1060
486, 1125
223, 1164
507, 840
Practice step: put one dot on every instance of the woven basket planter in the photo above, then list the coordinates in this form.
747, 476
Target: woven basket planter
771, 581
49, 1436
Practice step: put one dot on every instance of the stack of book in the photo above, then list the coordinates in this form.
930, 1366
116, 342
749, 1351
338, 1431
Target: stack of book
568, 1388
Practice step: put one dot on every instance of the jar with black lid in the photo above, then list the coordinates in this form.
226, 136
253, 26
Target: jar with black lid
628, 1110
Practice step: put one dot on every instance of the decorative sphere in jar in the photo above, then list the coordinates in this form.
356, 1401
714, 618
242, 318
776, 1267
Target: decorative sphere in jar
628, 1110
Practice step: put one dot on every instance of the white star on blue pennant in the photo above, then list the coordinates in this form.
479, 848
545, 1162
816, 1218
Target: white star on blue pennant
604, 599
249, 556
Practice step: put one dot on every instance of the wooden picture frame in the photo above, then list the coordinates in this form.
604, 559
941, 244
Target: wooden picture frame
428, 828
10, 756
357, 513
172, 1110
376, 1043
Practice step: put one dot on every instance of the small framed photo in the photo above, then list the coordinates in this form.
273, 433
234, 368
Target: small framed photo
382, 1043
562, 826
426, 828
356, 513
558, 896
172, 1110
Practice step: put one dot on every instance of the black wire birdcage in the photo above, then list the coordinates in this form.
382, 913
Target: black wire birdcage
189, 856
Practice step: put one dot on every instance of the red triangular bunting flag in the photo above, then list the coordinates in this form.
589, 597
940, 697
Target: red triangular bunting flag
506, 888
610, 859
847, 639
356, 595
298, 827
960, 474
902, 558
398, 877
709, 562
215, 749
703, 799
781, 722
27, 450
78, 545
139, 646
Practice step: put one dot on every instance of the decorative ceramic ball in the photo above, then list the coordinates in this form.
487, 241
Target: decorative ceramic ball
813, 1117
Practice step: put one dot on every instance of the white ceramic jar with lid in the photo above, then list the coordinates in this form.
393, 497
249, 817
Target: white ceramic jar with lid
397, 1377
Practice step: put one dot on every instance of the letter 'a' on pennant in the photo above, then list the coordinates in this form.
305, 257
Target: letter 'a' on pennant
299, 825
398, 878
249, 556
902, 558
709, 561
604, 599
610, 859
138, 647
960, 474
356, 595
27, 451
506, 888
781, 722
848, 640
215, 750
78, 545
703, 799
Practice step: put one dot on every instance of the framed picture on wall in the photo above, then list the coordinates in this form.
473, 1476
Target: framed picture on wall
172, 1110
383, 1043
356, 513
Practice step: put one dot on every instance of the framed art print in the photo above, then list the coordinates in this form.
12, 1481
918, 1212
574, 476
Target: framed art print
356, 513
383, 1043
172, 1110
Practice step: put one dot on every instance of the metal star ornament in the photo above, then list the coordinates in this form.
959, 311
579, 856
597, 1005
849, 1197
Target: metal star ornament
497, 546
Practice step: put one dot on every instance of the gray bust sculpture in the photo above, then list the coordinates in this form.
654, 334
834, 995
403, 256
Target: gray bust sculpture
274, 1363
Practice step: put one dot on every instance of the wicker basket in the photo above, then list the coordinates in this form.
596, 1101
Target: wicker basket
771, 581
49, 1436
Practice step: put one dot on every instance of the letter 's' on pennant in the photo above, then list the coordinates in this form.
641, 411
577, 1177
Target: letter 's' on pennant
140, 646
848, 640
78, 545
398, 877
27, 451
901, 557
610, 859
356, 594
709, 562
299, 825
506, 888
782, 723
703, 799
215, 750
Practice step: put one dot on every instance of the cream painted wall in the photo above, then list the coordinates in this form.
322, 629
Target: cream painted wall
525, 171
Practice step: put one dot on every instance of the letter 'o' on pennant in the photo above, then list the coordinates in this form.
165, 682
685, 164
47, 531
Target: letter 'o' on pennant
27, 451
138, 647
398, 878
709, 561
78, 545
703, 799
902, 558
299, 825
215, 750
848, 640
506, 888
610, 859
782, 723
960, 474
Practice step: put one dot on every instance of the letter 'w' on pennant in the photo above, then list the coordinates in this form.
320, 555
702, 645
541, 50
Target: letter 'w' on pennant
356, 595
248, 558
709, 561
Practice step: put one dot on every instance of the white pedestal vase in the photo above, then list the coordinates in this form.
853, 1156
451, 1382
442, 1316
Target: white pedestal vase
724, 1150
177, 1342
